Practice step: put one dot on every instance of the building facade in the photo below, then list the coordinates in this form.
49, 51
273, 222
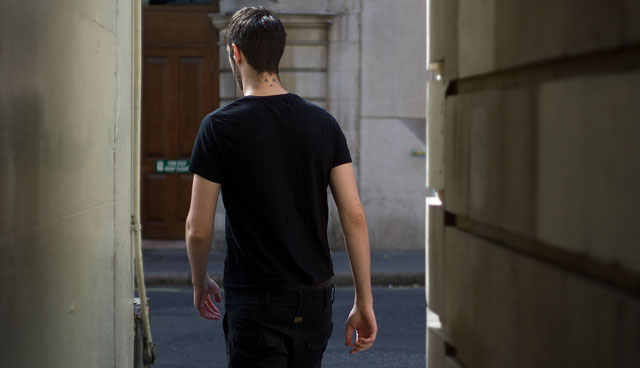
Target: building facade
362, 61
533, 124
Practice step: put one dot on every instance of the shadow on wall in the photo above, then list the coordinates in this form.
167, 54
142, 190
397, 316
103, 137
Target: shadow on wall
21, 151
21, 148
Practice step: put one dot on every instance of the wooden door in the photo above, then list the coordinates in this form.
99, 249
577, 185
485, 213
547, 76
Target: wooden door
179, 87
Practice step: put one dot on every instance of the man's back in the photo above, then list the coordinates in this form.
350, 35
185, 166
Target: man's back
273, 156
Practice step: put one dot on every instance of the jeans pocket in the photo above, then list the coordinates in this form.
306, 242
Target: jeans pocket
279, 314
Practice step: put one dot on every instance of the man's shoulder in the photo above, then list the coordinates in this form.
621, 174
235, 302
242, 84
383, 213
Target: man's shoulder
244, 108
225, 111
318, 112
301, 102
236, 110
219, 117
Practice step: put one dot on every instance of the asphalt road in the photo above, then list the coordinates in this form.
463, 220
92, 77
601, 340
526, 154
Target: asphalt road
185, 340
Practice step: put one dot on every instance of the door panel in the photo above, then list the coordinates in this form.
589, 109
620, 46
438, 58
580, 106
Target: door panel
155, 109
154, 185
192, 99
179, 87
156, 143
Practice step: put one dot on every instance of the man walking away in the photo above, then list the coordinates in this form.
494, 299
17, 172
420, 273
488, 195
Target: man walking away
272, 155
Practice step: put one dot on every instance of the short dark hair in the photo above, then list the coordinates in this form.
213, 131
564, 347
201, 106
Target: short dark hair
260, 35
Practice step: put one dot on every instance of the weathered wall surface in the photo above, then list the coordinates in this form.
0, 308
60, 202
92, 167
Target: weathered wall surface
65, 142
392, 112
364, 62
533, 258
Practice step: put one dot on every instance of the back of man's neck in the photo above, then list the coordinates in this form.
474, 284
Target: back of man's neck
265, 85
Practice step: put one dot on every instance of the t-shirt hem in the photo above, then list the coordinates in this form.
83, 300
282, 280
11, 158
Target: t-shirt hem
280, 285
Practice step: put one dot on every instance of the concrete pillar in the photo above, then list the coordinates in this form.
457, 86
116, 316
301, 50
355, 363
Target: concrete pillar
66, 275
538, 266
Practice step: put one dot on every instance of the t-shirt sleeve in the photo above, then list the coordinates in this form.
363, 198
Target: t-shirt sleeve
206, 158
341, 154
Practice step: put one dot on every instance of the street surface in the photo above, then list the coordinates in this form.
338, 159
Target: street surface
185, 340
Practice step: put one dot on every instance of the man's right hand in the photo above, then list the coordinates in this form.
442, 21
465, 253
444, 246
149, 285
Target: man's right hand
202, 299
363, 321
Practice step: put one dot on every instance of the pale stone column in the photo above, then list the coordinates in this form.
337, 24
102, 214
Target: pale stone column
66, 275
535, 262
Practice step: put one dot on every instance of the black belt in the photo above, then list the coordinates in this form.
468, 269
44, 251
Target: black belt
315, 286
304, 296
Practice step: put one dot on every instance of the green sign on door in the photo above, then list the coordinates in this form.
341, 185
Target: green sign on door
172, 166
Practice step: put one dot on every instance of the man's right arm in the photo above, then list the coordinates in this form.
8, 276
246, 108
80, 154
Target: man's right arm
354, 225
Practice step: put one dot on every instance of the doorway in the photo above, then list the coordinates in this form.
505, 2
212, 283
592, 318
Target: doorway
179, 87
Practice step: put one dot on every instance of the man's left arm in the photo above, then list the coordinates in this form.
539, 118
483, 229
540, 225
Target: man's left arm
198, 234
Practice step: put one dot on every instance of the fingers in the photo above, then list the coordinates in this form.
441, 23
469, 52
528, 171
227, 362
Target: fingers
211, 309
205, 307
208, 314
205, 313
349, 336
363, 322
364, 339
362, 343
215, 290
204, 310
372, 333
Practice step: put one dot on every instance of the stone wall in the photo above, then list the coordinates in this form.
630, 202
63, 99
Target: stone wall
533, 259
66, 278
392, 112
362, 61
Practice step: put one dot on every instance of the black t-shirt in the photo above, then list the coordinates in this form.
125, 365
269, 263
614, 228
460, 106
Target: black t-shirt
272, 156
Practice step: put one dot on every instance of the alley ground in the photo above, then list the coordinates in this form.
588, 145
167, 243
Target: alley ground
185, 340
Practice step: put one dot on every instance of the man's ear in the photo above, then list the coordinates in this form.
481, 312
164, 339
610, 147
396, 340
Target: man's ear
236, 54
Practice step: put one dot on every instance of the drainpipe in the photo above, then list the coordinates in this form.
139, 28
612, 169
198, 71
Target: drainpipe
136, 227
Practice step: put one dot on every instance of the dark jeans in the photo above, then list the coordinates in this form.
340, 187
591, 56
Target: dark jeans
277, 328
